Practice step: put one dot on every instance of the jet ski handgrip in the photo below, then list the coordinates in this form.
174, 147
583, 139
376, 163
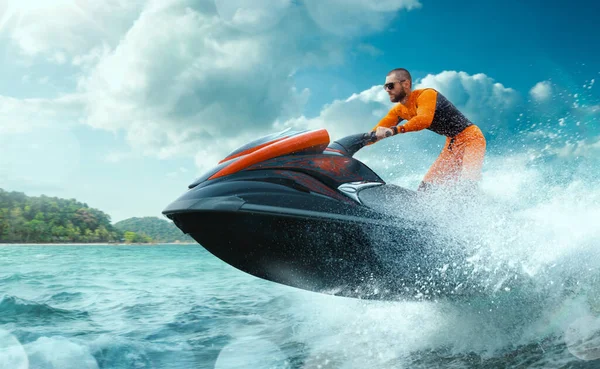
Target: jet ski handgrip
372, 137
350, 145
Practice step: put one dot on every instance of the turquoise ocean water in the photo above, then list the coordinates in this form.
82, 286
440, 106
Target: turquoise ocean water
177, 306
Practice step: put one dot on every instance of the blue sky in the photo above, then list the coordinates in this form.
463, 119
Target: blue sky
122, 104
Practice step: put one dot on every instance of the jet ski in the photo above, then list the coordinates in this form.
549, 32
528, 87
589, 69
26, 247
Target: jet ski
299, 210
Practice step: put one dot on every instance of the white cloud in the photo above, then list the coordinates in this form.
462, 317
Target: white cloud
24, 115
190, 78
181, 76
59, 28
351, 17
541, 91
589, 148
251, 15
358, 113
483, 100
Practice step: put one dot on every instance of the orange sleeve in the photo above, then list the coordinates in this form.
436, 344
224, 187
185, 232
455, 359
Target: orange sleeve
425, 110
391, 119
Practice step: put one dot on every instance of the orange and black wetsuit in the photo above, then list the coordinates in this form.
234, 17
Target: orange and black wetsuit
464, 151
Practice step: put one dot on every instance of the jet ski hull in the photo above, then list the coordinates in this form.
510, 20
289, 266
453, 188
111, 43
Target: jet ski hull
347, 254
312, 254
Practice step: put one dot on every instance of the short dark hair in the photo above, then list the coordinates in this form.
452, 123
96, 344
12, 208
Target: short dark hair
403, 73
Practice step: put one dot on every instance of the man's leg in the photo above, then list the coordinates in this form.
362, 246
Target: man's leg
473, 154
445, 168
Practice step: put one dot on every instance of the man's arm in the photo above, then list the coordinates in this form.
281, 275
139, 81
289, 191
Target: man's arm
391, 119
425, 112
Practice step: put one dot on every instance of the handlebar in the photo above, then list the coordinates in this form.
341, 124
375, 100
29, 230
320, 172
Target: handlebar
372, 137
351, 144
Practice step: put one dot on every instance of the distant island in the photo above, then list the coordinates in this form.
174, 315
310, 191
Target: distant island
157, 229
43, 219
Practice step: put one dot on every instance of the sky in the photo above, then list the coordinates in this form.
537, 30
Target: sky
121, 104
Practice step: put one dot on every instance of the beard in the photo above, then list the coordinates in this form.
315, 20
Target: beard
397, 97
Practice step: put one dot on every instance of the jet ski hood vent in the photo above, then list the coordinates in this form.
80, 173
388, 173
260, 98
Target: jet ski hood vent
268, 147
261, 142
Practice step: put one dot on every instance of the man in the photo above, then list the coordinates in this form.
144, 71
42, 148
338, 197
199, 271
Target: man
461, 158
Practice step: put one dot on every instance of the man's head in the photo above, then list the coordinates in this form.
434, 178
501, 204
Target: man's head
398, 83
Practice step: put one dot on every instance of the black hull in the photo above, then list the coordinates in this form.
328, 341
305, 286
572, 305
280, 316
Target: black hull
341, 257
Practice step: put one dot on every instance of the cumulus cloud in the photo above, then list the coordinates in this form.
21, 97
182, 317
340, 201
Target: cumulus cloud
181, 76
59, 28
252, 16
542, 91
487, 103
201, 77
589, 148
358, 113
24, 115
351, 17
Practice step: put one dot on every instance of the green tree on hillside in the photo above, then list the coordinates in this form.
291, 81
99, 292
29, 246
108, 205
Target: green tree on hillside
51, 219
132, 237
160, 230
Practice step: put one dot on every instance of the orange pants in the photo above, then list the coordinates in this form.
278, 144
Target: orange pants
460, 159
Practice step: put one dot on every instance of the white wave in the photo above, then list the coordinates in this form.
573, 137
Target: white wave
533, 238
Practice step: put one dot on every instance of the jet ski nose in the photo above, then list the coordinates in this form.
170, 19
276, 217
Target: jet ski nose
222, 203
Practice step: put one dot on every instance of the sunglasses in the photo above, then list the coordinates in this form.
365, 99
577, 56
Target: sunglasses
390, 86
